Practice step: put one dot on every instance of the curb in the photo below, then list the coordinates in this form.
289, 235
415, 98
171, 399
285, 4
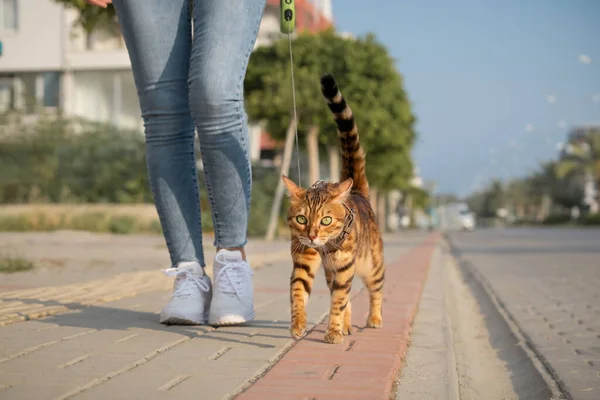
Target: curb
366, 365
539, 362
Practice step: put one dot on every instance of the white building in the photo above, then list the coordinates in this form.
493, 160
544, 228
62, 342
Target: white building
48, 64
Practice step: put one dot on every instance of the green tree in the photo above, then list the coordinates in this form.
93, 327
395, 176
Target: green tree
577, 164
583, 155
92, 18
368, 79
488, 201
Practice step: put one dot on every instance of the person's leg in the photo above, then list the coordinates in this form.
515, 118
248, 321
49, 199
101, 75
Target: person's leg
158, 38
223, 38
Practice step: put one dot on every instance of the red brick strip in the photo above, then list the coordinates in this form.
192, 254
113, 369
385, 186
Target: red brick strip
367, 363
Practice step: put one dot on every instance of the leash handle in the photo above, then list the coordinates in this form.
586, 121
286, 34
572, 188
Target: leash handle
287, 20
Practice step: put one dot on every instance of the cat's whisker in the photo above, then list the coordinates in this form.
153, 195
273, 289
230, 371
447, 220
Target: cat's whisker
297, 247
335, 245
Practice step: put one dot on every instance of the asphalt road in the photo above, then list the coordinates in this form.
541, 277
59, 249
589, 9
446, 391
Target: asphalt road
548, 282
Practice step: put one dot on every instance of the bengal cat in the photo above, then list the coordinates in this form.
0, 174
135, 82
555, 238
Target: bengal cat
334, 224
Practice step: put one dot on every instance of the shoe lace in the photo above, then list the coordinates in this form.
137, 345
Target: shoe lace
187, 283
230, 277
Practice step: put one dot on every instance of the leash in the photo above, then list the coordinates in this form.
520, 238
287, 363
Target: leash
287, 25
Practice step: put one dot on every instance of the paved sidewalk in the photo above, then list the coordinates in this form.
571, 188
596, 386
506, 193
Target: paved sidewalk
132, 267
67, 257
115, 349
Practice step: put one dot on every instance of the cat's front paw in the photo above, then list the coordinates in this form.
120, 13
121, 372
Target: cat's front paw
333, 337
347, 330
298, 329
374, 322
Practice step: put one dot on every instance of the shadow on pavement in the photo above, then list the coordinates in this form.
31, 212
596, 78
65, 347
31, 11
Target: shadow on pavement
107, 318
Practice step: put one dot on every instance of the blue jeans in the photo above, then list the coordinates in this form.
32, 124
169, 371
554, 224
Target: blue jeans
190, 75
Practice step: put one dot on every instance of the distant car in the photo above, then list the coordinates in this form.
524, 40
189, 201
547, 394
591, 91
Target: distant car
458, 216
467, 219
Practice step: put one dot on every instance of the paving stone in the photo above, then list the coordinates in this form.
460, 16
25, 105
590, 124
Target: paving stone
548, 281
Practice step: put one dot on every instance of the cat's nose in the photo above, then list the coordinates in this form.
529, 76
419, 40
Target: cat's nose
311, 237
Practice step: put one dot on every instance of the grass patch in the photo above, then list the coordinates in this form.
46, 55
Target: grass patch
11, 264
91, 218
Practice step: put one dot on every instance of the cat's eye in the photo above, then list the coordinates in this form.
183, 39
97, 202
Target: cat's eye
326, 221
301, 219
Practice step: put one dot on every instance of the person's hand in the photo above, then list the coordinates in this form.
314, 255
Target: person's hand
99, 3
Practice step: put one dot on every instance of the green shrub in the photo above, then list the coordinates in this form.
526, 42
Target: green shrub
591, 219
558, 219
51, 162
10, 263
74, 162
14, 264
122, 224
264, 184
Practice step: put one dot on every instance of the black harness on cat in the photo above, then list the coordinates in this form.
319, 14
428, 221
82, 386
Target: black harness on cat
348, 225
336, 244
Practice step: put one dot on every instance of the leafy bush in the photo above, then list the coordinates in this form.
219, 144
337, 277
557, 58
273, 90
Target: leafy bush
591, 219
524, 222
64, 161
265, 182
59, 160
558, 219
122, 224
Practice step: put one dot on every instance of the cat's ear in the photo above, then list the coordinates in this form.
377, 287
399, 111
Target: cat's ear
294, 190
343, 190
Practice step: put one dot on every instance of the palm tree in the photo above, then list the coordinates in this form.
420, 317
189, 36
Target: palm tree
580, 165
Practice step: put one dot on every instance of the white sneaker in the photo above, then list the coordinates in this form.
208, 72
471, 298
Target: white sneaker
191, 296
233, 297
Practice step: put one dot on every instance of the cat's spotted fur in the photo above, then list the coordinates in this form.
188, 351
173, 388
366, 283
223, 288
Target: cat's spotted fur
334, 224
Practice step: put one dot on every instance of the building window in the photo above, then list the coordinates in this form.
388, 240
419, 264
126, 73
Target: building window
7, 94
9, 15
51, 89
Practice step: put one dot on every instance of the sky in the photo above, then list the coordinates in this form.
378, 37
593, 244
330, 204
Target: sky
494, 84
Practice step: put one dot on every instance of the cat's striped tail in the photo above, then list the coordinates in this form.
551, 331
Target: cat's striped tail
353, 156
